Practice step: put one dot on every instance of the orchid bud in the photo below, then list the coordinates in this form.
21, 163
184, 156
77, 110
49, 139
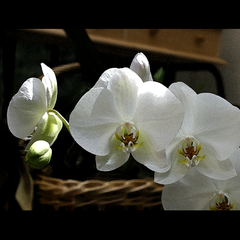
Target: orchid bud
140, 65
39, 154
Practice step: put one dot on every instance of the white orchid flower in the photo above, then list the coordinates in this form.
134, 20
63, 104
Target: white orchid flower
209, 135
198, 192
122, 115
30, 112
141, 66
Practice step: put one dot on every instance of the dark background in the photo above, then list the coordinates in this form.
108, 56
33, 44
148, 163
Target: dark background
69, 160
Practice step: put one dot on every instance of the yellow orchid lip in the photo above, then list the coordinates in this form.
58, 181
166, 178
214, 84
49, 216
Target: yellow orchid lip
190, 150
128, 133
220, 202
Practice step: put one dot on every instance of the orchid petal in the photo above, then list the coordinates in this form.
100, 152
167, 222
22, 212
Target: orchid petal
183, 92
177, 169
114, 159
213, 168
235, 195
50, 82
124, 87
148, 156
94, 120
186, 95
233, 183
105, 78
192, 192
47, 130
159, 113
83, 108
176, 172
216, 120
140, 65
26, 108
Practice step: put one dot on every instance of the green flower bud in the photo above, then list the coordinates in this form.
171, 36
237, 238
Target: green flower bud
39, 154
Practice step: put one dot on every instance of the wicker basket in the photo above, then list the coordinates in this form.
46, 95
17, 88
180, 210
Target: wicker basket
136, 194
58, 194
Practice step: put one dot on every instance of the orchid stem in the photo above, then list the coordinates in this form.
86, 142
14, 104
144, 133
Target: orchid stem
65, 122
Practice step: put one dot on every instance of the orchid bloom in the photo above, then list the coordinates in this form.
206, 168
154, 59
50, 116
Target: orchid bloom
31, 113
209, 135
122, 115
198, 192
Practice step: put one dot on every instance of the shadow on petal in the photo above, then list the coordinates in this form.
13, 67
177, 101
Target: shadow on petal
115, 159
47, 130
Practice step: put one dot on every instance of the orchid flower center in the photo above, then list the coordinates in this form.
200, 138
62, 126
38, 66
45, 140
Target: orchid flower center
128, 133
190, 148
221, 202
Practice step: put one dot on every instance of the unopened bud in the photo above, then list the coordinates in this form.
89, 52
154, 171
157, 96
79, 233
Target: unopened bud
140, 65
39, 154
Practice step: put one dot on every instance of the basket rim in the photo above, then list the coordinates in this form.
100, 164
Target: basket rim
73, 193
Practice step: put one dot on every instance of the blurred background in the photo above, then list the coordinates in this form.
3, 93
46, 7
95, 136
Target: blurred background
30, 51
230, 52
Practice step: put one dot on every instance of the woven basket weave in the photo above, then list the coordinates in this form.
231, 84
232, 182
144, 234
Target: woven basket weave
71, 194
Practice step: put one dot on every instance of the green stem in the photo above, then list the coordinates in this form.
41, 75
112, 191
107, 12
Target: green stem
65, 122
